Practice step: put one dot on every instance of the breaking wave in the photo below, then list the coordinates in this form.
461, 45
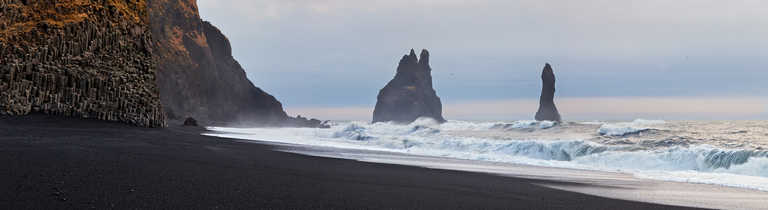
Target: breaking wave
691, 163
624, 129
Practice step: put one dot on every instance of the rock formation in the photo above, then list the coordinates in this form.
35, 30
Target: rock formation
198, 76
409, 95
547, 109
78, 58
190, 122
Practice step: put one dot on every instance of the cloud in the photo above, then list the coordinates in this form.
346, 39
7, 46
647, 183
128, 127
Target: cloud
628, 30
275, 9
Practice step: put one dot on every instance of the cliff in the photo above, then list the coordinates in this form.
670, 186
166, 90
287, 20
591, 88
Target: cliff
410, 94
199, 78
78, 58
547, 109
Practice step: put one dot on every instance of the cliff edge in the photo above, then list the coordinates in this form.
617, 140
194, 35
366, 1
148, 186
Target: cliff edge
199, 78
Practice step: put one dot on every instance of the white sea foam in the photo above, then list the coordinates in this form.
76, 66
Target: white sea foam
623, 129
695, 163
522, 124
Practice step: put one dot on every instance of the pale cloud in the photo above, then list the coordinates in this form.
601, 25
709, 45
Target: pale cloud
585, 11
273, 10
625, 30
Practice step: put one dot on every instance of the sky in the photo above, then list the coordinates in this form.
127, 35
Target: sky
614, 59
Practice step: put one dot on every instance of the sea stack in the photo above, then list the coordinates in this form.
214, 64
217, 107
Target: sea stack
410, 94
547, 109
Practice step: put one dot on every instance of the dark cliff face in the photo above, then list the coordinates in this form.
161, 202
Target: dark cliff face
410, 94
126, 61
199, 78
237, 99
547, 109
89, 59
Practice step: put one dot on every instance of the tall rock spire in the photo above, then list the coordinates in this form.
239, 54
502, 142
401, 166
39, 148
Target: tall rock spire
547, 109
410, 94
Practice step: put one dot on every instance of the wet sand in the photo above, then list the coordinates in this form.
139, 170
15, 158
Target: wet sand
55, 163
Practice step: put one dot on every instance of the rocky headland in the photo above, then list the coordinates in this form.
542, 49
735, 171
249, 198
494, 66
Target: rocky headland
199, 78
410, 94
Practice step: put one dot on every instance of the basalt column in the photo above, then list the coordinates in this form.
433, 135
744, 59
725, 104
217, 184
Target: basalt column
78, 58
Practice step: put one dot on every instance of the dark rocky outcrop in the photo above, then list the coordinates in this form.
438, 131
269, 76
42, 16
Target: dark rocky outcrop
198, 76
409, 95
89, 59
547, 109
190, 122
300, 121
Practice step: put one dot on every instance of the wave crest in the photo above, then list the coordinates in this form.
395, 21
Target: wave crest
631, 128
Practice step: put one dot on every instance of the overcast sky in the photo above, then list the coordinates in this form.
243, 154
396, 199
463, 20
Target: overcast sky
329, 58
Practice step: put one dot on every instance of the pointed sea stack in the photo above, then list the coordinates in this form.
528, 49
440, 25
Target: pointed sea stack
409, 95
547, 109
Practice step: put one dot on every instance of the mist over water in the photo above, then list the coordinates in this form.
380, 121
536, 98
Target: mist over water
730, 153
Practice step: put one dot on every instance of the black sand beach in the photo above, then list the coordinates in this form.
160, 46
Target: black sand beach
54, 163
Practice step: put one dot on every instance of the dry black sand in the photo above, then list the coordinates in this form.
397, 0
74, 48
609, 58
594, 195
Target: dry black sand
54, 163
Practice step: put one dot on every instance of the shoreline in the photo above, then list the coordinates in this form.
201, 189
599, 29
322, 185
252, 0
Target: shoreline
608, 184
661, 158
55, 163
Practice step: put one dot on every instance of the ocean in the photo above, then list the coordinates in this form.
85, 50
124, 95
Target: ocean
725, 153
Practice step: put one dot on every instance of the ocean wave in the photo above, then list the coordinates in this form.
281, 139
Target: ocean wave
525, 124
628, 128
698, 157
353, 132
426, 137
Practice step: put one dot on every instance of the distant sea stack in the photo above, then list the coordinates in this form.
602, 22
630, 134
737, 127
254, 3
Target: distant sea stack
410, 94
75, 58
199, 78
547, 109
